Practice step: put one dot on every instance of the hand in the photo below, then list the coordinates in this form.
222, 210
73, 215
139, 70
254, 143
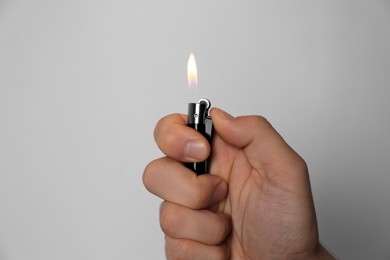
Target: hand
255, 204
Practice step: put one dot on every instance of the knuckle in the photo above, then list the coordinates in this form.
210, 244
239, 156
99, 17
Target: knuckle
222, 229
199, 198
160, 125
169, 219
147, 176
165, 135
261, 121
170, 140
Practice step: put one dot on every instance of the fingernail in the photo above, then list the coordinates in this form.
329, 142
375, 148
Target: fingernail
220, 192
195, 150
224, 114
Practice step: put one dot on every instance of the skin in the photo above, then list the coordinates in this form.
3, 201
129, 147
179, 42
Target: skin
256, 203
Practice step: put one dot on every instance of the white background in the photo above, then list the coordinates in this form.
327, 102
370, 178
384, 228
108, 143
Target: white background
82, 84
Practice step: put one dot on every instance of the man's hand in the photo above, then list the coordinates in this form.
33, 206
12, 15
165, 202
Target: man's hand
256, 203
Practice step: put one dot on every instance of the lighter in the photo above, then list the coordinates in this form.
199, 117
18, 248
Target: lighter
199, 119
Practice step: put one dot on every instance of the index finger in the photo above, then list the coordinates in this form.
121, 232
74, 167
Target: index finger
180, 142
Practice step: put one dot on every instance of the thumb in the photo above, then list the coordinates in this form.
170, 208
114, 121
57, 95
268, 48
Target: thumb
254, 134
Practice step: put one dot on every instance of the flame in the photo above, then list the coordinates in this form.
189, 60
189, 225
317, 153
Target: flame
192, 72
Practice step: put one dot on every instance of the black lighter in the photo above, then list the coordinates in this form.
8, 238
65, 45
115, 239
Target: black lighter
199, 119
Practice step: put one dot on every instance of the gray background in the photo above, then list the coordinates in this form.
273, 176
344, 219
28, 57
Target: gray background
82, 84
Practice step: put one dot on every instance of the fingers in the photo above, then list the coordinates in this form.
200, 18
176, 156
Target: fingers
180, 142
189, 249
199, 225
172, 181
